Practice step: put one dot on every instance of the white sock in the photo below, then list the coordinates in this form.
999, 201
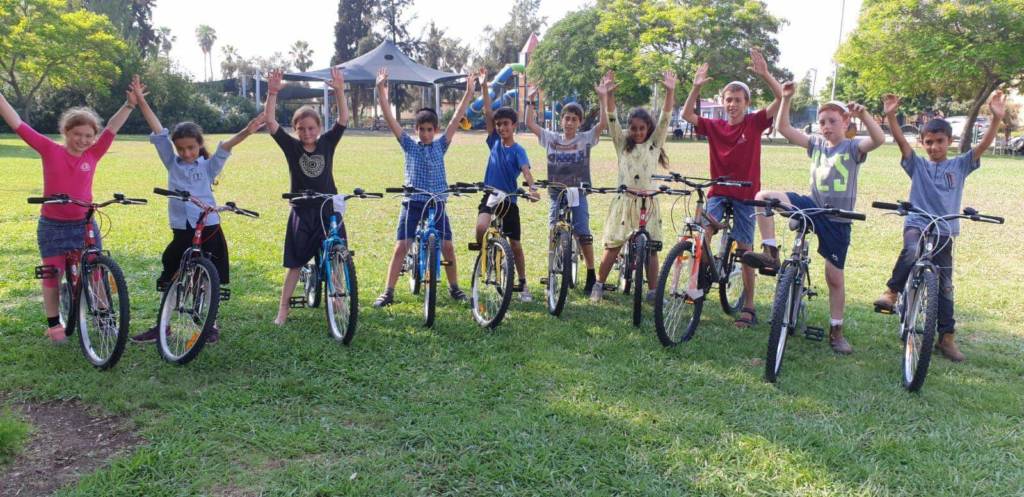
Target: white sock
769, 242
836, 322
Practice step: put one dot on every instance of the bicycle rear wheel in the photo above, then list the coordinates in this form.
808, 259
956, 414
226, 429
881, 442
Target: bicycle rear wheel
577, 254
560, 266
67, 310
430, 278
411, 266
730, 283
311, 284
786, 310
342, 295
492, 283
103, 311
676, 316
639, 265
624, 270
919, 322
188, 311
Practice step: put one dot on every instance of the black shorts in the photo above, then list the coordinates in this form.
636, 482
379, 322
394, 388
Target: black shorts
509, 213
214, 244
305, 234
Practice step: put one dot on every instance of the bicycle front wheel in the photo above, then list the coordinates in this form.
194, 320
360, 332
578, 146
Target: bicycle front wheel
103, 312
342, 295
639, 265
188, 311
676, 315
919, 321
785, 313
560, 266
430, 278
730, 282
492, 283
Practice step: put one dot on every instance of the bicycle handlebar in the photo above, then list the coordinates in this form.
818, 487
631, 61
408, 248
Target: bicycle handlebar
903, 208
63, 198
773, 203
238, 210
310, 194
701, 183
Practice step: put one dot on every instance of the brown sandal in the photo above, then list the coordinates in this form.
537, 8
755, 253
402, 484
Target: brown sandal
745, 322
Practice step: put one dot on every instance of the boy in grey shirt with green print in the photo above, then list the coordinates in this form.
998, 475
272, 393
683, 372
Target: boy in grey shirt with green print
835, 166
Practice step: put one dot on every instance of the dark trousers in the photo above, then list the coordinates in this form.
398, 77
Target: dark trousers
943, 261
213, 243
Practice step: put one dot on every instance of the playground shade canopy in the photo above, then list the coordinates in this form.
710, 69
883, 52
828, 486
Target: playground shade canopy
363, 69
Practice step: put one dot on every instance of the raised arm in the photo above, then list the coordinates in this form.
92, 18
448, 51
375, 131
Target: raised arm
669, 80
488, 111
250, 129
689, 107
795, 136
531, 116
274, 84
874, 130
139, 90
604, 88
118, 119
337, 83
998, 107
891, 103
760, 67
460, 112
385, 103
10, 115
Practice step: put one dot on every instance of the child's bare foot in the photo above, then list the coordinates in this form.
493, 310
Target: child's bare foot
57, 334
282, 317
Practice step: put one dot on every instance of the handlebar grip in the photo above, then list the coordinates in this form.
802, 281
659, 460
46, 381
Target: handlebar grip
373, 195
248, 212
762, 203
289, 196
394, 190
37, 200
994, 219
166, 193
743, 183
885, 205
140, 201
859, 216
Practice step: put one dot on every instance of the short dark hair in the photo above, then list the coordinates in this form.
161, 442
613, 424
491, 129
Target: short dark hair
573, 108
936, 125
506, 113
426, 115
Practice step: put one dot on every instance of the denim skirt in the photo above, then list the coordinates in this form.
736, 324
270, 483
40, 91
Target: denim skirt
57, 237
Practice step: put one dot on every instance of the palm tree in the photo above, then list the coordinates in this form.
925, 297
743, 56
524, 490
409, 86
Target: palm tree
165, 40
302, 55
206, 35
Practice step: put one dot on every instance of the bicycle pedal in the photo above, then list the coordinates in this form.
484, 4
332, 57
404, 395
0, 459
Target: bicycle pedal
544, 281
884, 310
474, 246
225, 294
351, 253
811, 294
297, 302
609, 287
654, 246
814, 333
46, 271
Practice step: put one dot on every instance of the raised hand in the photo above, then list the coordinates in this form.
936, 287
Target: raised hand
481, 78
669, 79
256, 123
890, 103
757, 62
788, 89
856, 109
470, 84
607, 84
337, 81
701, 76
275, 80
997, 104
382, 77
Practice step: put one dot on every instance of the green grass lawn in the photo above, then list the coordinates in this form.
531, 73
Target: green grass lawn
582, 405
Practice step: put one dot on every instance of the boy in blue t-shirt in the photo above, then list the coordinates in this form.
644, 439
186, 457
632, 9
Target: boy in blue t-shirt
506, 160
936, 187
424, 169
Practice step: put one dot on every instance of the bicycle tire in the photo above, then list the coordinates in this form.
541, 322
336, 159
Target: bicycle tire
672, 312
918, 345
622, 266
342, 294
498, 273
67, 306
786, 302
411, 264
430, 299
730, 279
560, 267
101, 334
312, 284
639, 266
196, 285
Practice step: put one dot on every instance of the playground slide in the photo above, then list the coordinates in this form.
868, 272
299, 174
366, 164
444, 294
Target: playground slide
476, 109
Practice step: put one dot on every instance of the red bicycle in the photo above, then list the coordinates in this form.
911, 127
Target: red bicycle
189, 307
93, 295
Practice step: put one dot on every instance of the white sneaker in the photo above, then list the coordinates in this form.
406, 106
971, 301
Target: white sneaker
525, 295
597, 292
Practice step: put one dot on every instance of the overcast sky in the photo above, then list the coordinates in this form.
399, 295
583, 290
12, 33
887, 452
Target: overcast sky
260, 28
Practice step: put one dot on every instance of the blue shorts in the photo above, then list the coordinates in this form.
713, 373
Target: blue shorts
742, 217
57, 237
409, 219
580, 213
833, 237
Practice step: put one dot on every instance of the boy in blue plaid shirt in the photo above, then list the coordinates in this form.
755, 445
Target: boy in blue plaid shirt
424, 169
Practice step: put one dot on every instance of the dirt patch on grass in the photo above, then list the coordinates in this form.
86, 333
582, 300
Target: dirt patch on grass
66, 442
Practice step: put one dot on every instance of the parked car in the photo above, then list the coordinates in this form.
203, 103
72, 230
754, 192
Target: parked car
958, 123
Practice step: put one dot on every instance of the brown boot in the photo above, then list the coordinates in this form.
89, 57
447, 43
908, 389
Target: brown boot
767, 262
949, 349
836, 340
887, 300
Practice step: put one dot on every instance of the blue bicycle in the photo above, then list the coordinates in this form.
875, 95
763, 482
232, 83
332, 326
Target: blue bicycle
423, 260
333, 273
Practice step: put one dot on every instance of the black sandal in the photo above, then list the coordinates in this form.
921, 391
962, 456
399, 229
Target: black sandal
743, 322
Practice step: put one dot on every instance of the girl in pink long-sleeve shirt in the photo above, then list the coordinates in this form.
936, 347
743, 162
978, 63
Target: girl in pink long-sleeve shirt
68, 169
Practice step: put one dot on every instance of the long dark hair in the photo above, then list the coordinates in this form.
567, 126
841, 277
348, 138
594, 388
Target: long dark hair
192, 130
642, 114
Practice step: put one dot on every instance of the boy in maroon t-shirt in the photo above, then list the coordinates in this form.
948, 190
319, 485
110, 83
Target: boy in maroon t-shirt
735, 151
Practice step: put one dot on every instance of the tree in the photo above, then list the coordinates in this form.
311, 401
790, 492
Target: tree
354, 24
132, 18
963, 50
231, 63
441, 52
44, 44
504, 43
165, 41
653, 37
389, 16
301, 55
566, 60
206, 36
